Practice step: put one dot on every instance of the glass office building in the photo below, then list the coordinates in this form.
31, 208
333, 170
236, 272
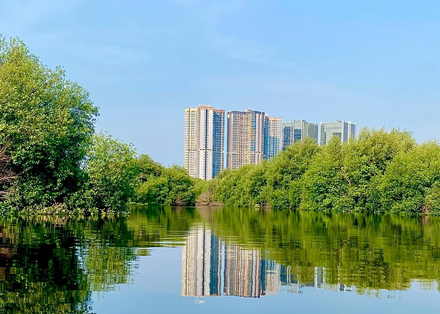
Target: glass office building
346, 131
297, 130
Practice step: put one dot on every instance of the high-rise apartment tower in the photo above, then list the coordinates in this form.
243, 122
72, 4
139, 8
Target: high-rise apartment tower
275, 137
247, 138
204, 141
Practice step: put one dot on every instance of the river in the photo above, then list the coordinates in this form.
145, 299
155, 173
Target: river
221, 260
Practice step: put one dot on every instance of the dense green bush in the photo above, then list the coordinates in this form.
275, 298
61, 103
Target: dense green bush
148, 167
347, 177
380, 171
46, 126
325, 184
111, 169
172, 187
412, 181
242, 187
285, 171
51, 156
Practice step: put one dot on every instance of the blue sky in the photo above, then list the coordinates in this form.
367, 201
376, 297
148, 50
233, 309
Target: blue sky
376, 63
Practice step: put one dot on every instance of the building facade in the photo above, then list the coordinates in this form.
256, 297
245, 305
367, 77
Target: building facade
190, 142
247, 140
252, 136
204, 141
346, 131
275, 137
297, 130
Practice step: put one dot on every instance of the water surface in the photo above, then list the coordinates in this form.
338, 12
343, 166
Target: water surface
186, 260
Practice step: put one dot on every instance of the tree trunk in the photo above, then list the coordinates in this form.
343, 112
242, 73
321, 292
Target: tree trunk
7, 176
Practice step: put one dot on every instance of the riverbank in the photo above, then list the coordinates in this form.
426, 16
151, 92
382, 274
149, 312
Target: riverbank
52, 162
379, 172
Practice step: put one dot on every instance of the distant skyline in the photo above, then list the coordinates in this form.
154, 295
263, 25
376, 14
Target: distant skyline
372, 62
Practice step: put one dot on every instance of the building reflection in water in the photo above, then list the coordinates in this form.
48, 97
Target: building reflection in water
243, 272
321, 284
201, 264
246, 272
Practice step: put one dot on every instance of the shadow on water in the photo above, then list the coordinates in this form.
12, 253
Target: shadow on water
53, 267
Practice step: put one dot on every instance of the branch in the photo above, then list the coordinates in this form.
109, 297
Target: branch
345, 175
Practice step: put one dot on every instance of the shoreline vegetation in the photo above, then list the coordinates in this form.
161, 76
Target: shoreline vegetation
52, 162
378, 172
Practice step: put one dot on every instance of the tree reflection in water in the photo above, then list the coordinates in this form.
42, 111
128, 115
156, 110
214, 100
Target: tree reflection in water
53, 267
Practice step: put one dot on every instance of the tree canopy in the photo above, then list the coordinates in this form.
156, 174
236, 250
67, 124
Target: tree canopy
378, 172
46, 126
50, 154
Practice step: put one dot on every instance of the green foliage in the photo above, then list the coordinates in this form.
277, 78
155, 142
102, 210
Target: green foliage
148, 167
158, 185
366, 160
432, 199
411, 182
50, 157
46, 124
172, 187
346, 177
7, 176
380, 171
242, 187
285, 171
112, 173
205, 191
49, 154
325, 185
